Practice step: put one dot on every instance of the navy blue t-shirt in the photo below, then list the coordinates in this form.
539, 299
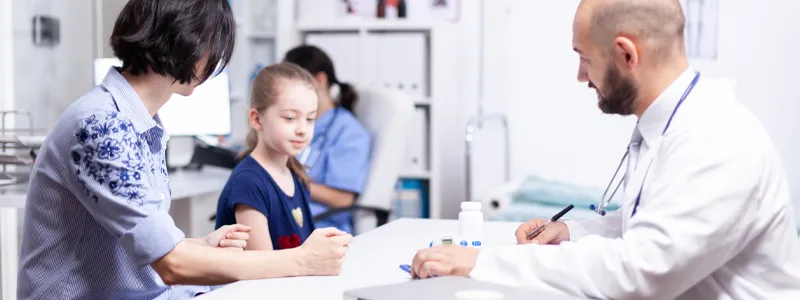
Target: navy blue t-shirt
288, 217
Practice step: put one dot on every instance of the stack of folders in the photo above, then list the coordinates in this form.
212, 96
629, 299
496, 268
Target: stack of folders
409, 201
417, 154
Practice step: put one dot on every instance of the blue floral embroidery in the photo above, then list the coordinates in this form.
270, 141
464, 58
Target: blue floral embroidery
110, 149
110, 155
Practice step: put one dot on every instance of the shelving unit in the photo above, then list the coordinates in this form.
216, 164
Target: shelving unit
263, 44
431, 92
255, 48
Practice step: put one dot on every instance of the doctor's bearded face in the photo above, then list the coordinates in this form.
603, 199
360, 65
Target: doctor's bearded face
617, 94
599, 66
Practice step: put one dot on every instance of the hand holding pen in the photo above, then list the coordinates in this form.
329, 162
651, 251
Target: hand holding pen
543, 231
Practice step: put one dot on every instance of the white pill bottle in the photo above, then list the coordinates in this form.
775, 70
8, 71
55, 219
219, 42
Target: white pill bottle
470, 224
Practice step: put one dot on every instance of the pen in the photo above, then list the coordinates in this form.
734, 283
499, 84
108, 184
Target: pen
539, 229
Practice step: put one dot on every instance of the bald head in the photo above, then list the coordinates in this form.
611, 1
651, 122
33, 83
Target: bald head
657, 25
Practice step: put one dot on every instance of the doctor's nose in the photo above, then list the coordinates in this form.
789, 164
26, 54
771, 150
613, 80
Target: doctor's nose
582, 75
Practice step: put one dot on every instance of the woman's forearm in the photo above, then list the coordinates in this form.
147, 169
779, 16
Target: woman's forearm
197, 241
331, 197
194, 264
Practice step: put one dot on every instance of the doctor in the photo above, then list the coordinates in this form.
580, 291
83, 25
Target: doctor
707, 213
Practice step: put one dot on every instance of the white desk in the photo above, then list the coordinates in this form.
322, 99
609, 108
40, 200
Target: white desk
191, 217
203, 189
374, 259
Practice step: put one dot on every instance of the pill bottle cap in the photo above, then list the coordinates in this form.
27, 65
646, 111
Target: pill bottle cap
470, 205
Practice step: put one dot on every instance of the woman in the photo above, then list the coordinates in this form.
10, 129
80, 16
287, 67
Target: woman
96, 222
338, 157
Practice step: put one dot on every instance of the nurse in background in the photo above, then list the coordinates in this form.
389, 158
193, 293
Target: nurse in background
338, 157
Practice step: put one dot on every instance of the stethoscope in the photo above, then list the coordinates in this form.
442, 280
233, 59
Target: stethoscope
308, 157
600, 208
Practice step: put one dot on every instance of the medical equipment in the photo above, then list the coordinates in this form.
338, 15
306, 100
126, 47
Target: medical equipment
308, 157
456, 240
444, 240
600, 208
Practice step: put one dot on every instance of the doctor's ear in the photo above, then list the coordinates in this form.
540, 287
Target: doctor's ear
626, 51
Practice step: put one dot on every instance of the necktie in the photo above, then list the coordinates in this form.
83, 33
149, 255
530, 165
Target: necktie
633, 154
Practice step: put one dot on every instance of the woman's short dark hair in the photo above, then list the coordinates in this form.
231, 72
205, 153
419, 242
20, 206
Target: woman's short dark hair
172, 37
314, 60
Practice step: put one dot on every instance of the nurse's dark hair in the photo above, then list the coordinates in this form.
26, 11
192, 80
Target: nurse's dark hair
267, 87
183, 39
315, 61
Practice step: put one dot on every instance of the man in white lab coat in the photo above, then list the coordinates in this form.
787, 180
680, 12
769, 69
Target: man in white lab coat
707, 212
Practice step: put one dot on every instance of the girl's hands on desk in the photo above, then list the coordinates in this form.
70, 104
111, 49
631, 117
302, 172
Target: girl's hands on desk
323, 252
233, 237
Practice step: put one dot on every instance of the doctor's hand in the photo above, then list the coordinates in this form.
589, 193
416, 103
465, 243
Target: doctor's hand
323, 252
554, 233
233, 237
444, 260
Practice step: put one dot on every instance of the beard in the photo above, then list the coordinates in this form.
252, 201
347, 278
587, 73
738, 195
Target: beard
620, 96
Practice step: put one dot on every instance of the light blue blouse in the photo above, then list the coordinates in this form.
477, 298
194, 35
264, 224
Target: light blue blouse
97, 211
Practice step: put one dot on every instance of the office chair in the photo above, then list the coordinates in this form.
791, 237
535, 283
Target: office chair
387, 115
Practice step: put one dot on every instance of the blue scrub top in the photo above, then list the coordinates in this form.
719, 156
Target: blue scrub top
344, 147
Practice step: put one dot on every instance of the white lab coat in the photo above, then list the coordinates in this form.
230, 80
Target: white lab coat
715, 220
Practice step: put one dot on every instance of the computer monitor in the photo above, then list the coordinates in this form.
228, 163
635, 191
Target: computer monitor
207, 111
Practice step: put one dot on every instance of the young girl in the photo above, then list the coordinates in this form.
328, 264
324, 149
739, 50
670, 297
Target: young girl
268, 190
338, 159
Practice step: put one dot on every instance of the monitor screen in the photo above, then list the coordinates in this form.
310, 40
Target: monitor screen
207, 111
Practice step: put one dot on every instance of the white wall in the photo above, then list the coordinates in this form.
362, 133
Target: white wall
47, 80
529, 75
6, 55
557, 130
766, 71
487, 167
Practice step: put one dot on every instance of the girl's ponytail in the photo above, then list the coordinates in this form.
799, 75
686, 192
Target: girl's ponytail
250, 144
298, 170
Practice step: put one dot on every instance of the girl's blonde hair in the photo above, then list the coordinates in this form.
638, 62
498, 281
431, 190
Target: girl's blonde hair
267, 86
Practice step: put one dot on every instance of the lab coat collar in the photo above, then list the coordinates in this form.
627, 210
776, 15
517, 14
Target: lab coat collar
651, 124
129, 103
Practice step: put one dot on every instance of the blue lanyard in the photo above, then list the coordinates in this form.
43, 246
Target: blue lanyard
685, 94
323, 136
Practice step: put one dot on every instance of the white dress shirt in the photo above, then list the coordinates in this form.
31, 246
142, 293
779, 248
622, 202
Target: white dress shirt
715, 220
